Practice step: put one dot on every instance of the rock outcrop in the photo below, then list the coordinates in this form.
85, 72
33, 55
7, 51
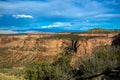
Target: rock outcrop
38, 48
7, 39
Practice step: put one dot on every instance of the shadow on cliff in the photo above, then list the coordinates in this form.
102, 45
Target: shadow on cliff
116, 41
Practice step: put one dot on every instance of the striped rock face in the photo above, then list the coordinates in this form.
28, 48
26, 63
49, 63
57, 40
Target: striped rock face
30, 49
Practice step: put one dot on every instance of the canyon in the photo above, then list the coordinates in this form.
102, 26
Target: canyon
24, 49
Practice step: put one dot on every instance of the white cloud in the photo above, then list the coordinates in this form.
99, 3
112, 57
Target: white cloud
107, 15
86, 28
7, 32
52, 8
22, 16
31, 32
57, 24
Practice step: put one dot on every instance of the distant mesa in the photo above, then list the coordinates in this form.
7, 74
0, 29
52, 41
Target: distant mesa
100, 30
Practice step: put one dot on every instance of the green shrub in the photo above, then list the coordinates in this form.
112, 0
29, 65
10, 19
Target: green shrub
104, 59
64, 68
40, 71
59, 70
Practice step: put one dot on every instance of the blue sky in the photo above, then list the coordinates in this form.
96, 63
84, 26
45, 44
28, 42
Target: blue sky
25, 16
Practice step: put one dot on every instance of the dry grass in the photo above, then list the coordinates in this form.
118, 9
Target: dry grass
12, 74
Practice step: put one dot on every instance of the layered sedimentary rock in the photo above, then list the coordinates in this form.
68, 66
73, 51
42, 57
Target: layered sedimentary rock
56, 45
37, 48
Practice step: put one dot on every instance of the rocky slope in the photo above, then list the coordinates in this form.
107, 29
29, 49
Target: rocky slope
29, 48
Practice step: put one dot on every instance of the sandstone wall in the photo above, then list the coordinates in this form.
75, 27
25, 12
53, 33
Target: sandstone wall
86, 47
52, 47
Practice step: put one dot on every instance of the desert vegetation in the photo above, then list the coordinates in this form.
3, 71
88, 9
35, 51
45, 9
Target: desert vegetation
72, 36
97, 66
3, 51
102, 64
100, 30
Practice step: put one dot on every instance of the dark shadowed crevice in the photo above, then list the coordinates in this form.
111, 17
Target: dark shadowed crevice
74, 45
116, 41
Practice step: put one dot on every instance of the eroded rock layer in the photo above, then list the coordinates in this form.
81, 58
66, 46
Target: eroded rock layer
31, 48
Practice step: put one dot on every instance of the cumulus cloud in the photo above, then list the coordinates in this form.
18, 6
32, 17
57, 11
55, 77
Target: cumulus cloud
7, 32
22, 16
57, 24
